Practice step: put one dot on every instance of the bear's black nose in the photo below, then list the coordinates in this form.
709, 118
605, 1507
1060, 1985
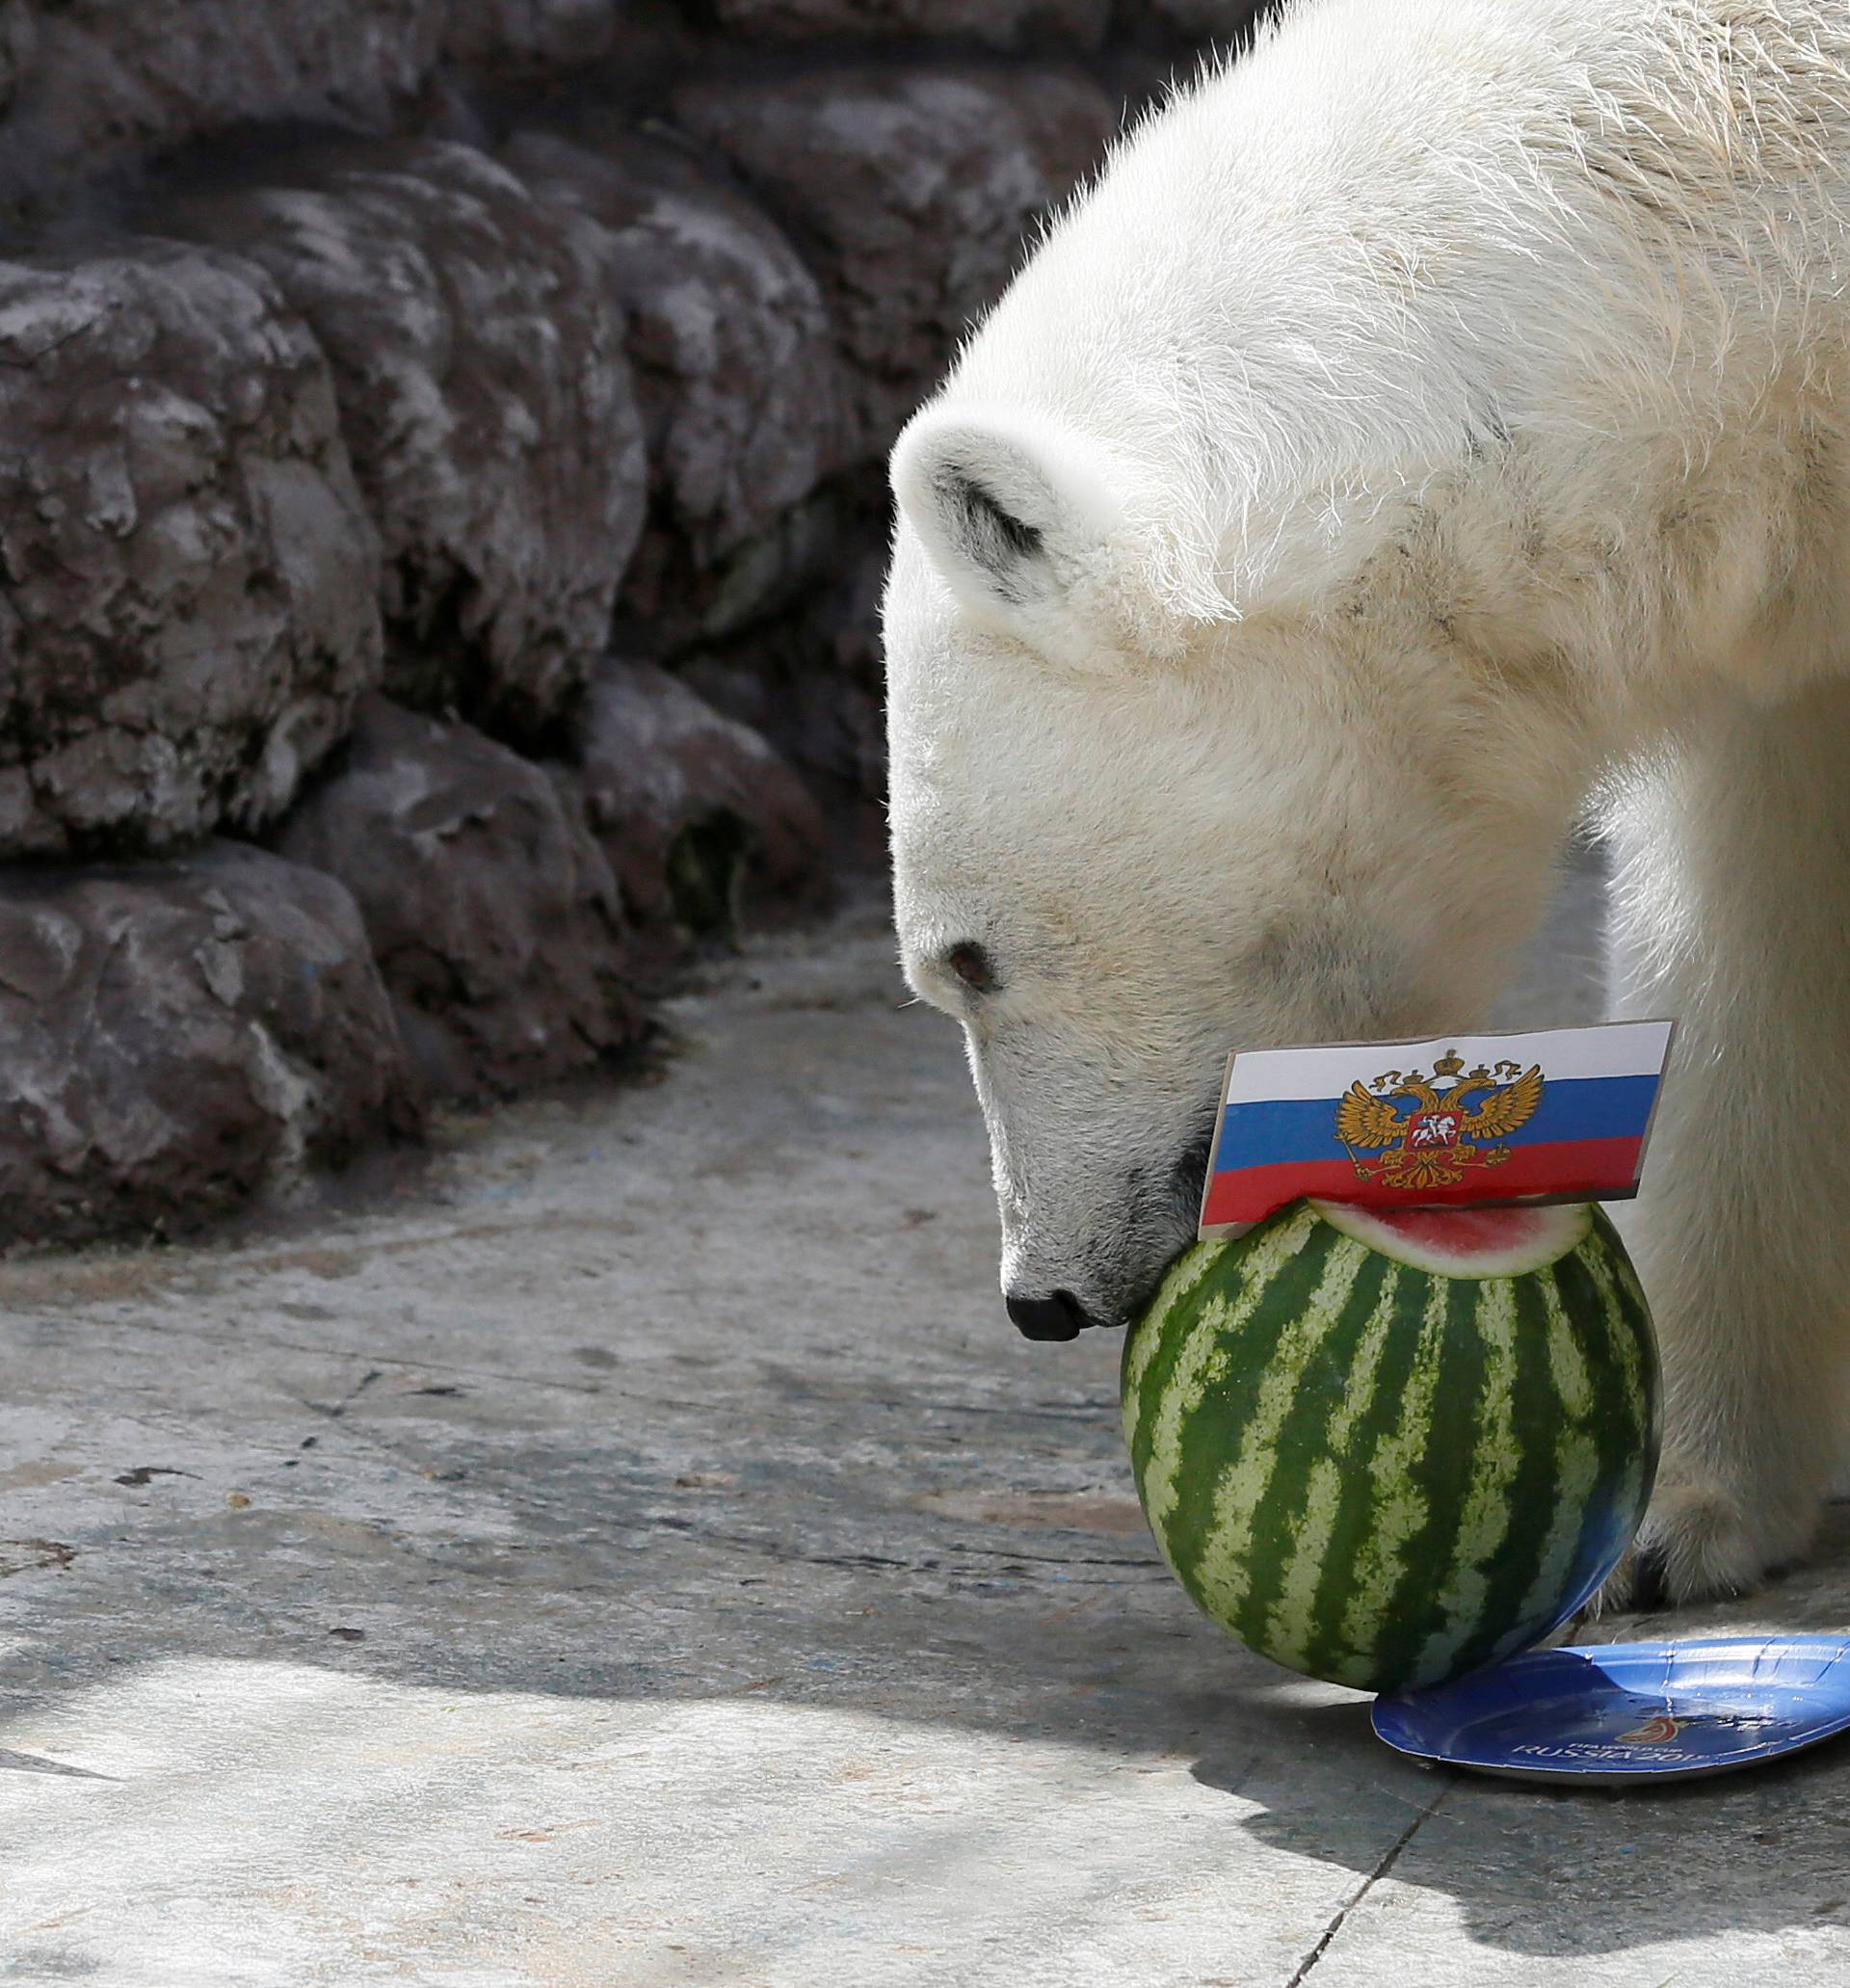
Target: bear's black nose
1061, 1317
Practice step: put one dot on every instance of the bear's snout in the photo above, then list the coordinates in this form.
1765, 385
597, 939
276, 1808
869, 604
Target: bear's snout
1061, 1317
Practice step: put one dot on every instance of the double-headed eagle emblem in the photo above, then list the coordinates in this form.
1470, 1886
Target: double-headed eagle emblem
1431, 1146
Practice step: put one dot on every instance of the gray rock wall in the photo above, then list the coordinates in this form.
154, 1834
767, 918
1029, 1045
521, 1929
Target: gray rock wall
181, 1035
914, 187
191, 579
490, 908
478, 362
443, 449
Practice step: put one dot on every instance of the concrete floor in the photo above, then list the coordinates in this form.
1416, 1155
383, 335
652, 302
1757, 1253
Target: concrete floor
636, 1551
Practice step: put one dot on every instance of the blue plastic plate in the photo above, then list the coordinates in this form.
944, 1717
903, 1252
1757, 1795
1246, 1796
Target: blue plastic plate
1632, 1712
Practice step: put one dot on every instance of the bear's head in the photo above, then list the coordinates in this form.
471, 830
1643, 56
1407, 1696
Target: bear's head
1137, 823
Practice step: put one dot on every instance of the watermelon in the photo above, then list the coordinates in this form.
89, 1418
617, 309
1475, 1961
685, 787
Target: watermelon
1387, 1449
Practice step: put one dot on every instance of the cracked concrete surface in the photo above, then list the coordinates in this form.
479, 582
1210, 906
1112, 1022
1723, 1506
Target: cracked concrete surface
636, 1551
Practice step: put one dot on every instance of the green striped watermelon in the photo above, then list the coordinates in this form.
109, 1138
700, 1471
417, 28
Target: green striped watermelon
1387, 1450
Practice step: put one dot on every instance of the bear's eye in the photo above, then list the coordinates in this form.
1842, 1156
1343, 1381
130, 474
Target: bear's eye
972, 965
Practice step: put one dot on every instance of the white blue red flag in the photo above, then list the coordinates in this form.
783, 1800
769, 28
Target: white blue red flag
1557, 1114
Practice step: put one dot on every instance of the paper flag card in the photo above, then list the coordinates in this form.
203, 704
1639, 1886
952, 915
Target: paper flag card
1558, 1114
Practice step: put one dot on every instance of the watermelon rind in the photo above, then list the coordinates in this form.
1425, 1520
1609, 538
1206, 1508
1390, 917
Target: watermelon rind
1540, 1236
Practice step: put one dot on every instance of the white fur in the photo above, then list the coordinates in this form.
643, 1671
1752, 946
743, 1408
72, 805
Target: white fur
1429, 425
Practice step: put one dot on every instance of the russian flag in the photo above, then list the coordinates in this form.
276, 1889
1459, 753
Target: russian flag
1558, 1114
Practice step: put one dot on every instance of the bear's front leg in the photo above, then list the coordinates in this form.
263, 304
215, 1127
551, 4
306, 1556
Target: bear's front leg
1731, 913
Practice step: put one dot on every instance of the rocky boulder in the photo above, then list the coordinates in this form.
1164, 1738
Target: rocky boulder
18, 44
706, 826
534, 34
479, 363
1170, 21
914, 189
181, 1036
812, 684
492, 911
999, 23
190, 578
735, 369
96, 80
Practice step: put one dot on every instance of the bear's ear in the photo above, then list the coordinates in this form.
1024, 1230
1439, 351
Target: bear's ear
1017, 515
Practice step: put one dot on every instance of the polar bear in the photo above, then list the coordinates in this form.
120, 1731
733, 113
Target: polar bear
1431, 426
